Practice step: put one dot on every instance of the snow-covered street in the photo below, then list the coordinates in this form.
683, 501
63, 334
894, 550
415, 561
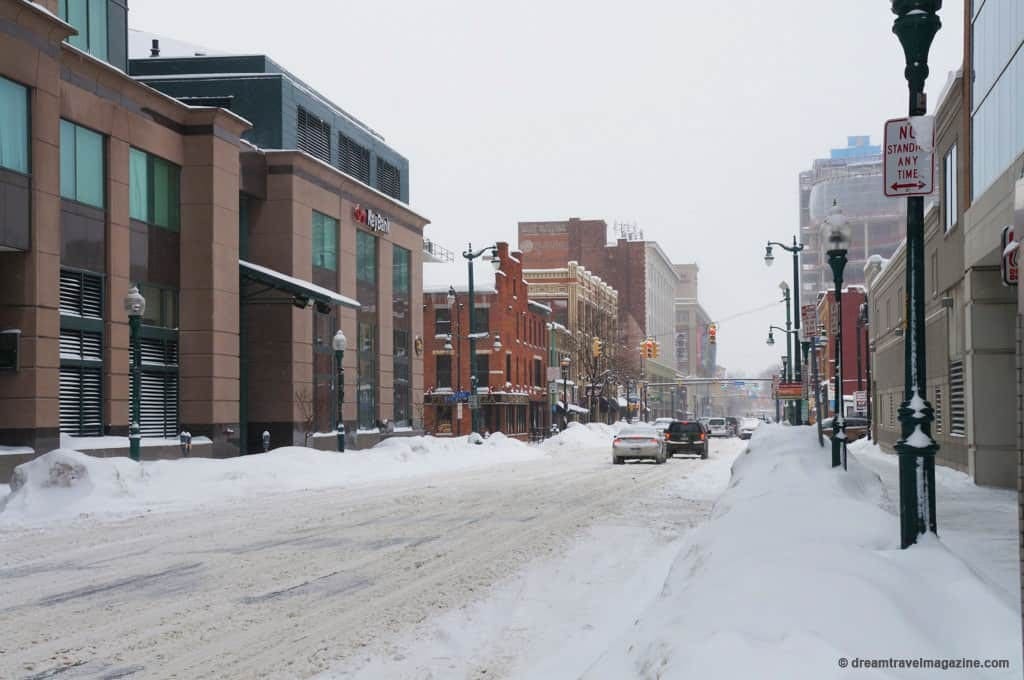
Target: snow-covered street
305, 581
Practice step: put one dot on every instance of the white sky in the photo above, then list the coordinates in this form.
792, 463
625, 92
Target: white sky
691, 118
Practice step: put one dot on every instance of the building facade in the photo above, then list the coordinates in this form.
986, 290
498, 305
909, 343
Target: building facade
855, 350
851, 176
107, 183
511, 361
587, 308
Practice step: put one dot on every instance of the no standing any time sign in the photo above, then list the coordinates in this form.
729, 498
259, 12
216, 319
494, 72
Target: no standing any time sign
909, 157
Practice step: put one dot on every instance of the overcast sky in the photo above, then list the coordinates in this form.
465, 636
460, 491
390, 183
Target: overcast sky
692, 119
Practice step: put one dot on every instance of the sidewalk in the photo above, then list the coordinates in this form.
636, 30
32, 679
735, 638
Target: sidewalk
977, 523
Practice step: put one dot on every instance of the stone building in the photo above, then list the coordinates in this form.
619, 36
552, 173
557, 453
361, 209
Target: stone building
247, 259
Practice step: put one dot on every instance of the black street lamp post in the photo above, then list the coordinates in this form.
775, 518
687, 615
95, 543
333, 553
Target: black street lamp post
340, 344
865, 323
791, 369
135, 305
916, 24
565, 363
838, 237
797, 368
471, 255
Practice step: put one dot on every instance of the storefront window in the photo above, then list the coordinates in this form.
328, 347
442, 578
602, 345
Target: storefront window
81, 164
13, 126
402, 336
366, 292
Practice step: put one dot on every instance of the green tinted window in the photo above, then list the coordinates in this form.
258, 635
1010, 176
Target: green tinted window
325, 242
400, 270
366, 257
13, 126
89, 17
81, 164
155, 190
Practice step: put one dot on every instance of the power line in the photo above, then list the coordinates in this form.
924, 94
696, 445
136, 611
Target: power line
749, 311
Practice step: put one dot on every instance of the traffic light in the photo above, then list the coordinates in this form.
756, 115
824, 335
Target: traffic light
597, 347
657, 348
647, 349
712, 333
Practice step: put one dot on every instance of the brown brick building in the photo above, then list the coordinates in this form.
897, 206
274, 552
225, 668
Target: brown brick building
248, 260
511, 348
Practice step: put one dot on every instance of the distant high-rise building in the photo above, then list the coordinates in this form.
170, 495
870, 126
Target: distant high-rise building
852, 177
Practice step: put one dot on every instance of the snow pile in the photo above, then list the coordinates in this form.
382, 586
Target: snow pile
65, 484
799, 571
577, 437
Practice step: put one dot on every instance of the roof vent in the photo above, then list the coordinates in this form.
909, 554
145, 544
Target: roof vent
154, 51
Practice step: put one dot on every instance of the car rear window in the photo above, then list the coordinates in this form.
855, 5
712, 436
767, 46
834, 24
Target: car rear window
643, 431
684, 428
717, 421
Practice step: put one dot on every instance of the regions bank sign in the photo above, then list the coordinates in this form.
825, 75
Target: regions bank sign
372, 220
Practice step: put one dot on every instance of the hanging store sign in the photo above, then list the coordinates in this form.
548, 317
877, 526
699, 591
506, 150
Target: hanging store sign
374, 221
1009, 264
909, 156
790, 390
808, 322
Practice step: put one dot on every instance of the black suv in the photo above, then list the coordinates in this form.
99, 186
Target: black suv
686, 436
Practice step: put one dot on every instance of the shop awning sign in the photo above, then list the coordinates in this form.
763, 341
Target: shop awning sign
909, 156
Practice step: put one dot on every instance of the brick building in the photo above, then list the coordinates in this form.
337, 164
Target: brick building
854, 371
638, 270
512, 336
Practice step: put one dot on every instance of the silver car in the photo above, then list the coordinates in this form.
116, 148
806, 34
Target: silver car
638, 441
717, 427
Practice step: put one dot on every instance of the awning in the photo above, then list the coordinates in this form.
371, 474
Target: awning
296, 287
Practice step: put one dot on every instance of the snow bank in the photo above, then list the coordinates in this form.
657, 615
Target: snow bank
800, 569
65, 484
578, 437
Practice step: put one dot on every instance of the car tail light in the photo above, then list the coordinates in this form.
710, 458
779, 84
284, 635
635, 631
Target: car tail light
702, 435
666, 436
616, 441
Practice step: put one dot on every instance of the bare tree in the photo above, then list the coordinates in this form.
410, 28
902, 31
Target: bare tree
307, 409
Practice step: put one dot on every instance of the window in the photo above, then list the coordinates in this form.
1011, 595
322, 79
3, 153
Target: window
443, 370
389, 178
442, 321
481, 320
313, 135
161, 306
400, 262
13, 126
325, 242
950, 199
538, 373
508, 368
367, 386
154, 187
81, 164
483, 370
353, 159
81, 354
158, 382
89, 17
366, 257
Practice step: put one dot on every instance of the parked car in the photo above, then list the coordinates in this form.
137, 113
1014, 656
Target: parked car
661, 424
747, 427
717, 427
856, 427
638, 441
686, 436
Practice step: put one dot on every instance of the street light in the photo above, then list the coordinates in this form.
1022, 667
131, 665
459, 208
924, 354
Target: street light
916, 25
771, 337
565, 363
471, 255
340, 344
769, 259
789, 375
135, 306
863, 322
837, 235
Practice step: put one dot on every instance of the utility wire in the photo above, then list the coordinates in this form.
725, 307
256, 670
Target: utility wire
749, 311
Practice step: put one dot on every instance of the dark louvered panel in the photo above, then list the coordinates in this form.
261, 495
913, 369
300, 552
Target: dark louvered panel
313, 135
158, 404
81, 345
81, 401
353, 159
389, 178
957, 410
81, 294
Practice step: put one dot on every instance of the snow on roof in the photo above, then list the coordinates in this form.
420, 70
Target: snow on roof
544, 308
438, 277
299, 283
140, 43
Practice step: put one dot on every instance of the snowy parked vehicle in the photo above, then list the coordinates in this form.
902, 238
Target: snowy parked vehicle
747, 427
717, 427
638, 441
661, 424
